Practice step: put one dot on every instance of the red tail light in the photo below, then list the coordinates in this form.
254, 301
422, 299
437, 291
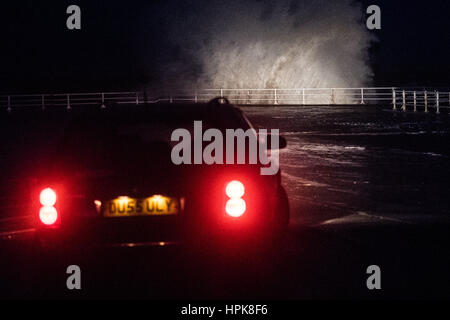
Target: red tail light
235, 206
48, 214
47, 197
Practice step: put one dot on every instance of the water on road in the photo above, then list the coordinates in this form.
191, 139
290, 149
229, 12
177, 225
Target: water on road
361, 163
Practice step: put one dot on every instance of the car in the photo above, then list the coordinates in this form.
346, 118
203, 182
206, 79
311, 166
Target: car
111, 181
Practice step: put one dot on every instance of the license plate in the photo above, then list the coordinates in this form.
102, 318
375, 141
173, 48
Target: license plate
152, 206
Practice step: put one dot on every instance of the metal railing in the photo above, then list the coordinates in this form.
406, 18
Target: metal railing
425, 100
421, 100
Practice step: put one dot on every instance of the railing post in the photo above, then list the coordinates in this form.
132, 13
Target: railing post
9, 104
275, 97
437, 102
403, 100
196, 97
415, 101
394, 100
303, 96
68, 102
332, 96
221, 93
137, 98
425, 100
249, 99
43, 102
103, 101
362, 96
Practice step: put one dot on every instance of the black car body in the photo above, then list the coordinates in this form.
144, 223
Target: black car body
105, 155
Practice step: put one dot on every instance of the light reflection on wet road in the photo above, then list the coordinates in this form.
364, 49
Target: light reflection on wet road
361, 162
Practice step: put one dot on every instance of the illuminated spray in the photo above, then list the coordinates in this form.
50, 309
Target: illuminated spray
268, 44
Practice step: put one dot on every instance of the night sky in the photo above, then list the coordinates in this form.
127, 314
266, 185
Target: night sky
125, 45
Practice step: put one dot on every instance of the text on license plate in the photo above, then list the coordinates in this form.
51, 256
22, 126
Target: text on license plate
154, 205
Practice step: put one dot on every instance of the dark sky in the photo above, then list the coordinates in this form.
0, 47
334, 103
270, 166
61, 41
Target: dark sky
123, 45
414, 43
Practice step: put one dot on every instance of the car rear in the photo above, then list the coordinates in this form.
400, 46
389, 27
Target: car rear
112, 181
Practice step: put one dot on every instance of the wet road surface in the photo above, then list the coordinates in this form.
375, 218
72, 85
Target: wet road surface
366, 186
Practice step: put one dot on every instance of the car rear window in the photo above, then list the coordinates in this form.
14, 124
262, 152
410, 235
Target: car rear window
117, 139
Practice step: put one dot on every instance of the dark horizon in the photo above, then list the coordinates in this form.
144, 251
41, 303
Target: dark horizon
128, 46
